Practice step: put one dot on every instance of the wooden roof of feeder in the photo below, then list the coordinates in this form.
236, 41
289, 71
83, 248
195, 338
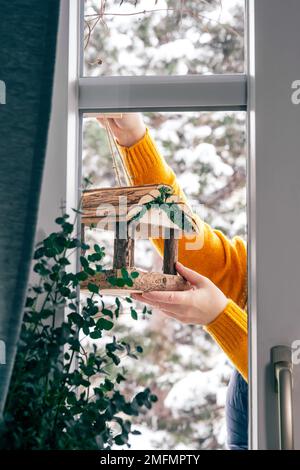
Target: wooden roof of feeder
105, 207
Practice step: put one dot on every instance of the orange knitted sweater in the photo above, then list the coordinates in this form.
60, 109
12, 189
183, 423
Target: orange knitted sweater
222, 260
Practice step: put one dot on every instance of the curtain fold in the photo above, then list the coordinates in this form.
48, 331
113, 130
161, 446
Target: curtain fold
28, 31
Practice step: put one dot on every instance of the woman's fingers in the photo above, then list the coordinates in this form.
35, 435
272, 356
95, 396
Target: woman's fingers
127, 122
169, 314
177, 310
169, 297
191, 276
140, 298
136, 296
111, 122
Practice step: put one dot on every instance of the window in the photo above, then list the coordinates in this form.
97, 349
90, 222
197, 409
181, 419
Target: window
165, 64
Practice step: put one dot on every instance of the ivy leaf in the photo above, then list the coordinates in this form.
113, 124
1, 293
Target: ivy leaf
94, 257
46, 313
40, 269
37, 289
84, 262
124, 273
115, 281
67, 228
84, 246
120, 378
153, 398
39, 253
75, 318
135, 274
74, 343
87, 181
93, 288
147, 310
108, 385
100, 250
85, 328
133, 313
72, 307
107, 312
64, 261
129, 282
30, 301
104, 324
116, 360
73, 295
65, 291
90, 271
96, 334
81, 276
121, 440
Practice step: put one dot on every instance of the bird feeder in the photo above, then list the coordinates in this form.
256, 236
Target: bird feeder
129, 212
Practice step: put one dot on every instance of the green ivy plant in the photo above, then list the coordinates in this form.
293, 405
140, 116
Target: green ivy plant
173, 211
61, 395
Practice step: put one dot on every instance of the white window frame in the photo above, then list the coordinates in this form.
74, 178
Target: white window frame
216, 92
75, 94
273, 207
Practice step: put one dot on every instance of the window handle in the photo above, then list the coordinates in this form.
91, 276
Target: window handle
283, 375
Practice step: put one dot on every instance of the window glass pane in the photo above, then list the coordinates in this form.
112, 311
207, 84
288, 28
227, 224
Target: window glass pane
160, 37
181, 364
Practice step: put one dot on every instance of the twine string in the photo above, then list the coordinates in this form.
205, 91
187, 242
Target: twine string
113, 146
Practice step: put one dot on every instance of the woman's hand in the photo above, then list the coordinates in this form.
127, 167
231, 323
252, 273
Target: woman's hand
128, 129
198, 306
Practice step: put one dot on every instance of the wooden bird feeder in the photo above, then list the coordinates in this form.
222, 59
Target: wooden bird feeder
122, 209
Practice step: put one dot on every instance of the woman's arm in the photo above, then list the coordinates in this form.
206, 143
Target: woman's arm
214, 255
230, 331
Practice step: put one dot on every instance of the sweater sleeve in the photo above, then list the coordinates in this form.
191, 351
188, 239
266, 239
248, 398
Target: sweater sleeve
210, 252
229, 330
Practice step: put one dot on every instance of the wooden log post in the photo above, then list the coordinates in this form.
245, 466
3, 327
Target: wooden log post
145, 282
170, 253
123, 250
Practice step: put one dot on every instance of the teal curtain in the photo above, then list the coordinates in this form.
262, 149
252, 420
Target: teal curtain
28, 30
